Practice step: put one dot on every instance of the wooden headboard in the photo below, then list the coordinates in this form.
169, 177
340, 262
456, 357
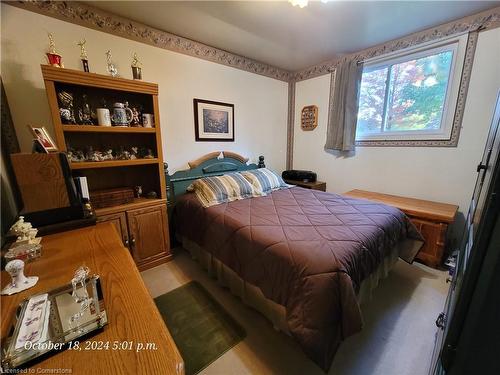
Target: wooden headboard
213, 164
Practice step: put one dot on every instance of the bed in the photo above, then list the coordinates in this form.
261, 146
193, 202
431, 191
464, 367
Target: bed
304, 258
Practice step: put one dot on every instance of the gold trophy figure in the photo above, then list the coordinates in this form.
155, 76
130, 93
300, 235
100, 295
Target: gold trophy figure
111, 67
136, 67
83, 55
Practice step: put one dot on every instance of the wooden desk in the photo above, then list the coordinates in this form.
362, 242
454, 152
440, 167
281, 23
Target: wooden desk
430, 218
317, 185
132, 314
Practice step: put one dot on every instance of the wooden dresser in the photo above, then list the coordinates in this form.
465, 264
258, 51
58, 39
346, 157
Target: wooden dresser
132, 313
430, 218
143, 228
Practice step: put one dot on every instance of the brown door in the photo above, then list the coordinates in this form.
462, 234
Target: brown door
119, 220
148, 233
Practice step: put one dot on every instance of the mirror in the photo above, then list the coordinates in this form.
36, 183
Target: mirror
47, 322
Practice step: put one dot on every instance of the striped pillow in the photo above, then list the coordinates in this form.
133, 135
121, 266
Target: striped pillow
265, 180
221, 189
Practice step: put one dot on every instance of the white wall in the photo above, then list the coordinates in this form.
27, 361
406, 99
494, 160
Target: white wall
260, 102
439, 174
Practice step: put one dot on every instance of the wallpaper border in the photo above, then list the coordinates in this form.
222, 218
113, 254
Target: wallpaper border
488, 19
88, 16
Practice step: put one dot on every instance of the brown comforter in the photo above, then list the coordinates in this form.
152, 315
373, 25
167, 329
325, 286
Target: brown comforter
306, 250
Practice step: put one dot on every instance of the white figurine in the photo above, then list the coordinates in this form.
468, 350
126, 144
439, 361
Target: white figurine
19, 282
25, 232
134, 153
20, 226
96, 156
108, 155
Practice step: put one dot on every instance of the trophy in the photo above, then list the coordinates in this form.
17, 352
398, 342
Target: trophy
83, 55
54, 58
111, 67
136, 67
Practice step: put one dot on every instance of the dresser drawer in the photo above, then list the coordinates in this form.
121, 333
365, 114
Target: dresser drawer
434, 235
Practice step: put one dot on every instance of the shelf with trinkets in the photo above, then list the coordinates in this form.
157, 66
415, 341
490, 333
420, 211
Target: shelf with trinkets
112, 163
106, 129
103, 107
106, 147
121, 154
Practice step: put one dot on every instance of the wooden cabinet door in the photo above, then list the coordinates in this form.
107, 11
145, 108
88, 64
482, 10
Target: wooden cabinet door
149, 241
434, 234
119, 220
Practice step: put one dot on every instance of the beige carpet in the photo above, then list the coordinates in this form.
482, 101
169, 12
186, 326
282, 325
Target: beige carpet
397, 338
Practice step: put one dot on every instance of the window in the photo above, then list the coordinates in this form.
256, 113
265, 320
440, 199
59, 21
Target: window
411, 95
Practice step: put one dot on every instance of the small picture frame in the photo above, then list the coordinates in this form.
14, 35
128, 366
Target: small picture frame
213, 121
43, 138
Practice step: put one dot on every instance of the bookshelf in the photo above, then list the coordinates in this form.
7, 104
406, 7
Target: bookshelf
142, 224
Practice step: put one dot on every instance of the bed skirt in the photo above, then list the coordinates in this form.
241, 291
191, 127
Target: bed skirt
253, 296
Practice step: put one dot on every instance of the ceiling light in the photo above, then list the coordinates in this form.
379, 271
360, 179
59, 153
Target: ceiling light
300, 3
303, 3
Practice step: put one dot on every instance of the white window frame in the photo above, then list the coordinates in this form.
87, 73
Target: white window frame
458, 45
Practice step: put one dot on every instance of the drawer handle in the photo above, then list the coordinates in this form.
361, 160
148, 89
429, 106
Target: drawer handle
441, 320
126, 242
132, 241
481, 166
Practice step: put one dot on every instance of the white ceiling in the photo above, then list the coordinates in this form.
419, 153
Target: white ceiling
288, 37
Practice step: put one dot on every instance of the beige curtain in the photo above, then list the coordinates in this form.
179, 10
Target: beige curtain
343, 111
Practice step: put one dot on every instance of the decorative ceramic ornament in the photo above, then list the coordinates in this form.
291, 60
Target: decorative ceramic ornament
66, 107
19, 282
103, 117
135, 118
148, 120
138, 191
122, 114
85, 114
24, 232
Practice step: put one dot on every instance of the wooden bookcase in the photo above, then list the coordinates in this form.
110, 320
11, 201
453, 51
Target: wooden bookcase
143, 223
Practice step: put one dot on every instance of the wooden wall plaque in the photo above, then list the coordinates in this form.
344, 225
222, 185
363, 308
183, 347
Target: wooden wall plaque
309, 117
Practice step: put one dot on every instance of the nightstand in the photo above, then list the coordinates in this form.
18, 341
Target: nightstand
318, 185
430, 218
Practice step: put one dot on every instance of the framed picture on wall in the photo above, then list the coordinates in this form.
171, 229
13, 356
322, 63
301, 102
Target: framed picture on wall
43, 138
213, 121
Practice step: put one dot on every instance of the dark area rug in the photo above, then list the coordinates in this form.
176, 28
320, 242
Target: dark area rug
201, 328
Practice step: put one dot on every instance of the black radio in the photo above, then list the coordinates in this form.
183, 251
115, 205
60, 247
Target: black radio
299, 175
